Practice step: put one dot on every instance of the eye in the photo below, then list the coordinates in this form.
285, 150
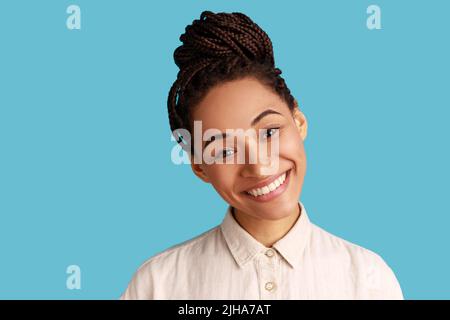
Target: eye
225, 153
270, 132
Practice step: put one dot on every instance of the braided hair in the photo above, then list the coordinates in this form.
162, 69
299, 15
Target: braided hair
217, 48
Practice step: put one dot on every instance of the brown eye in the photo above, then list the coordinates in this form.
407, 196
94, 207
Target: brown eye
270, 132
224, 153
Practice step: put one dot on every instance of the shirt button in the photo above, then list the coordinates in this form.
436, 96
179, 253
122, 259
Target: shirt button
269, 286
270, 253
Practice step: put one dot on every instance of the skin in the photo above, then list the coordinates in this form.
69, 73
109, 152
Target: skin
233, 105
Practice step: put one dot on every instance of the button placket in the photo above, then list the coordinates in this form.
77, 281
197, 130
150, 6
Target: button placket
268, 271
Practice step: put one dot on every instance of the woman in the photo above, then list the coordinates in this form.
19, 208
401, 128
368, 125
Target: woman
266, 247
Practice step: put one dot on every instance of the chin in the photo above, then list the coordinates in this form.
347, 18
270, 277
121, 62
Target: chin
272, 210
273, 216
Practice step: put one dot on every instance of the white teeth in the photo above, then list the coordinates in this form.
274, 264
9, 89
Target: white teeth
269, 188
272, 186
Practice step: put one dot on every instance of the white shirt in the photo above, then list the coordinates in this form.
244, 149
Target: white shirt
226, 262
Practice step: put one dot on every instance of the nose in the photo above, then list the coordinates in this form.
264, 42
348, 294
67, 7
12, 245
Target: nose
259, 171
256, 165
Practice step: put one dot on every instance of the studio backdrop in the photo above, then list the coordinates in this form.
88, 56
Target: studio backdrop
89, 188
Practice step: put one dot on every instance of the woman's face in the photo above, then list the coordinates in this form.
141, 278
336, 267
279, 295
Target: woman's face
234, 105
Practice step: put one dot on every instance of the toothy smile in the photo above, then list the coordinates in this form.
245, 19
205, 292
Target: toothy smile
270, 187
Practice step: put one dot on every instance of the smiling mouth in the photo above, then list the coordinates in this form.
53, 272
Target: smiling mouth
271, 187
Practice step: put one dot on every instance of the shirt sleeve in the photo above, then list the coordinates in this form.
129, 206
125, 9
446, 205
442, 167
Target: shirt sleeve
382, 282
140, 286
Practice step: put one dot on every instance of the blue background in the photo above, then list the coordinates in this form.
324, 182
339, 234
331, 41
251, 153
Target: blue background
86, 176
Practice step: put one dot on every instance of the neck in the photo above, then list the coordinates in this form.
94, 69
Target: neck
267, 232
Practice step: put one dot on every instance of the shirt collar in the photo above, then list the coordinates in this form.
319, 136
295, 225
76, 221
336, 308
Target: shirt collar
244, 247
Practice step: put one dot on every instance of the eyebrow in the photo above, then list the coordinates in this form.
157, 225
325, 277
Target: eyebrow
257, 119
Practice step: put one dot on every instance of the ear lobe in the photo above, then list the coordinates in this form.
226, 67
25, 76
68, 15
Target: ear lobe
198, 171
300, 121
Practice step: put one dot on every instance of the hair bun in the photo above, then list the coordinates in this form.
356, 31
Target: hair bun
217, 36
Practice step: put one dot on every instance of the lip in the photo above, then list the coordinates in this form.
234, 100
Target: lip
267, 181
273, 194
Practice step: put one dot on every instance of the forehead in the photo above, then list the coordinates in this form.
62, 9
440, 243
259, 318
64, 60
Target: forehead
235, 103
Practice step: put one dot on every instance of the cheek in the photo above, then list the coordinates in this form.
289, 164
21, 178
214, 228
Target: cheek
291, 148
222, 178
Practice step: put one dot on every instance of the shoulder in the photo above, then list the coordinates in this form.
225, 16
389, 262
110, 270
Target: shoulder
332, 246
165, 263
202, 242
369, 269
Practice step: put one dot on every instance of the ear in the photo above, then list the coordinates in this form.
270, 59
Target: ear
300, 121
198, 169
